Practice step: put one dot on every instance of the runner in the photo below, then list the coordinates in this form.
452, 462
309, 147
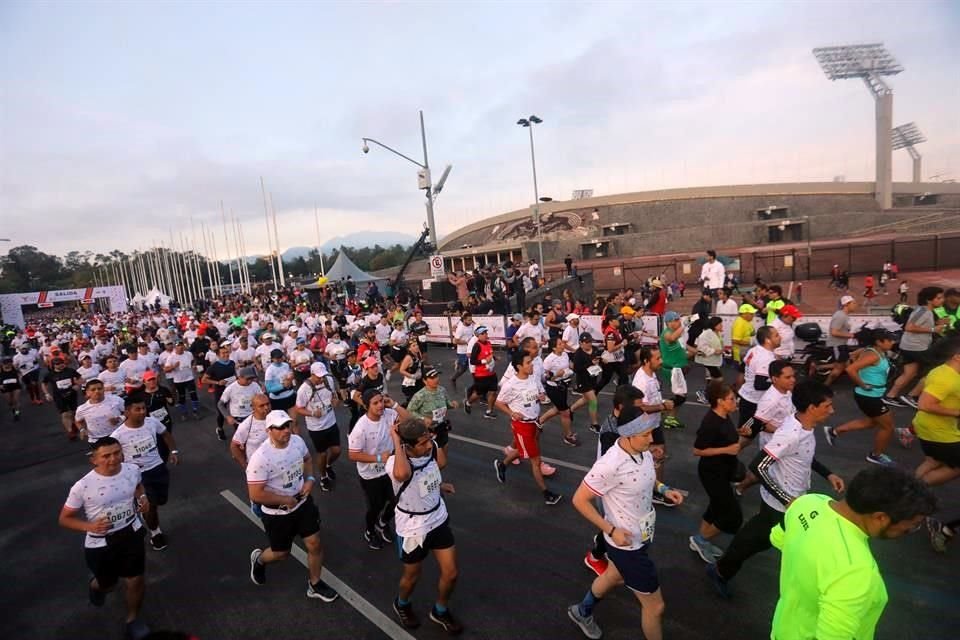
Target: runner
100, 414
647, 381
558, 376
61, 385
741, 335
370, 444
587, 368
316, 399
675, 355
371, 379
624, 479
461, 336
279, 479
613, 359
159, 401
114, 380
10, 383
236, 401
88, 369
422, 520
278, 381
411, 368
431, 404
918, 333
520, 400
869, 373
716, 448
219, 375
839, 334
138, 436
419, 329
132, 369
27, 362
180, 365
484, 375
775, 406
110, 496
783, 468
756, 380
251, 433
830, 585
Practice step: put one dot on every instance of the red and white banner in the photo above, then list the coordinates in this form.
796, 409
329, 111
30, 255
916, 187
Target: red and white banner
11, 304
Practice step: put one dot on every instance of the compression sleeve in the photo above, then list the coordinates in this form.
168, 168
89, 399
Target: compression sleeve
475, 354
820, 468
761, 466
761, 383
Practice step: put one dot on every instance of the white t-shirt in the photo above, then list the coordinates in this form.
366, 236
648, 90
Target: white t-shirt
134, 370
571, 336
794, 448
421, 495
113, 381
162, 362
625, 483
712, 274
336, 350
263, 352
650, 386
183, 363
463, 332
373, 438
535, 331
521, 396
97, 416
279, 470
110, 496
774, 407
398, 337
727, 307
140, 444
27, 362
89, 373
244, 357
299, 357
383, 332
558, 366
239, 398
756, 363
250, 434
317, 398
787, 338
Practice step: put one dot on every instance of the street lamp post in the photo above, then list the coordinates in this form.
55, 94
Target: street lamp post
528, 124
423, 176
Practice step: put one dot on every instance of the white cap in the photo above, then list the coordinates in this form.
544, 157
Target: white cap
572, 316
318, 369
845, 300
277, 417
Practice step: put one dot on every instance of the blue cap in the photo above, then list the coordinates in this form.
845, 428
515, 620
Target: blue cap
670, 316
479, 330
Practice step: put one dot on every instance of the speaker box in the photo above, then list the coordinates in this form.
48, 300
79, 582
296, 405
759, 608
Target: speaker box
442, 291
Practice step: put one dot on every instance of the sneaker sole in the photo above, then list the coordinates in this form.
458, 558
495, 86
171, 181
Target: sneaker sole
581, 626
444, 625
254, 556
501, 477
314, 595
413, 625
879, 462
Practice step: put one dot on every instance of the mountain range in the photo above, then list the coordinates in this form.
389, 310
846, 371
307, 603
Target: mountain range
355, 240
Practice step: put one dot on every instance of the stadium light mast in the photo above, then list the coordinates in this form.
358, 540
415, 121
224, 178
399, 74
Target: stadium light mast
906, 136
869, 62
528, 123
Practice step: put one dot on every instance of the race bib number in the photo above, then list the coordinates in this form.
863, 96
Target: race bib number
648, 524
65, 384
143, 446
245, 406
292, 476
159, 414
9, 381
439, 415
379, 468
428, 482
119, 514
529, 398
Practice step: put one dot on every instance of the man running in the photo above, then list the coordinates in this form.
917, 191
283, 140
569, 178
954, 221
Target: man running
624, 479
461, 336
219, 375
62, 383
316, 398
138, 436
280, 479
236, 401
431, 404
100, 414
251, 432
180, 365
110, 496
422, 520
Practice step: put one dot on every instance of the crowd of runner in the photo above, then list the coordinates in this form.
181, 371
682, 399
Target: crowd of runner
279, 369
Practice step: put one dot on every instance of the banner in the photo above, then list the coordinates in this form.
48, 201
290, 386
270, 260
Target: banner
11, 304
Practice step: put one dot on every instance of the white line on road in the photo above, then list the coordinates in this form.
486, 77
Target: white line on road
358, 602
497, 447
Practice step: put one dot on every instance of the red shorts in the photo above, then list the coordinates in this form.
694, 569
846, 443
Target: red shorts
525, 439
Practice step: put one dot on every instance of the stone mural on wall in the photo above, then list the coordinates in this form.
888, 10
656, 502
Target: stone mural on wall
526, 229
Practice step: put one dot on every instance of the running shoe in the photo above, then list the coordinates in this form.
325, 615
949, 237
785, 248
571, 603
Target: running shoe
662, 501
137, 630
501, 471
721, 585
97, 597
830, 435
571, 440
701, 548
158, 542
489, 415
386, 376
597, 565
546, 470
258, 572
325, 483
881, 459
894, 402
322, 591
551, 498
702, 397
588, 626
905, 436
374, 541
466, 407
909, 401
221, 434
405, 614
446, 620
938, 537
385, 533
595, 428
331, 473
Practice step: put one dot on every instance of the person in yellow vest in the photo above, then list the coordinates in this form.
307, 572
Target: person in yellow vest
950, 308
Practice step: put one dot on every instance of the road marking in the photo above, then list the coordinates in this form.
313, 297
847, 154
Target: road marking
354, 599
497, 447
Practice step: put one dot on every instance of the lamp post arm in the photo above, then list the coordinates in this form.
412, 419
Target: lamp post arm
394, 151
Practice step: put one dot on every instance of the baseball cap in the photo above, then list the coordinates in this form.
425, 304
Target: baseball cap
277, 418
670, 316
431, 373
845, 300
627, 311
247, 372
301, 341
518, 316
479, 330
656, 283
58, 361
747, 308
149, 375
370, 361
318, 369
791, 310
586, 337
573, 316
266, 336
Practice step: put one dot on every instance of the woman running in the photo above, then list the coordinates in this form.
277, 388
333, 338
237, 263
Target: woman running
587, 369
411, 369
558, 374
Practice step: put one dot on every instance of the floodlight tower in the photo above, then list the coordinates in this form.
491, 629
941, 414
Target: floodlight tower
905, 137
869, 62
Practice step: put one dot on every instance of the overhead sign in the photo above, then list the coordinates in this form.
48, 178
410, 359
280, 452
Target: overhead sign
436, 266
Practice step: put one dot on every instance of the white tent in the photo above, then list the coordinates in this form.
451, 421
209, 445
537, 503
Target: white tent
156, 297
344, 267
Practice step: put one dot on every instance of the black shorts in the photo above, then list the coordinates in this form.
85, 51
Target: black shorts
282, 404
156, 484
636, 567
946, 452
325, 438
9, 388
32, 377
921, 358
841, 353
485, 385
439, 538
442, 431
65, 404
558, 396
384, 352
123, 557
871, 407
585, 384
281, 530
398, 353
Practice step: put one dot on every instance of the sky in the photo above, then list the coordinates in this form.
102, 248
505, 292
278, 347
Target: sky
120, 122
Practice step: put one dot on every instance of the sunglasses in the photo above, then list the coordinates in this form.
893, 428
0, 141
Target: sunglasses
282, 427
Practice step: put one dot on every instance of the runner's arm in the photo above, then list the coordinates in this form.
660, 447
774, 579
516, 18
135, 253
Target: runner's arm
761, 466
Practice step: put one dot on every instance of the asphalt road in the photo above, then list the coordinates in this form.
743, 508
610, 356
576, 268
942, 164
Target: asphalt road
520, 560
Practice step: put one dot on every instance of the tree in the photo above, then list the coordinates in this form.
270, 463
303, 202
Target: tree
25, 268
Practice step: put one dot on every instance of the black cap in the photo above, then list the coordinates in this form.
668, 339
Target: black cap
276, 353
586, 337
431, 373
